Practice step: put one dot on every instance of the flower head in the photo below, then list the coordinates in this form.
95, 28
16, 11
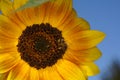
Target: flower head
47, 42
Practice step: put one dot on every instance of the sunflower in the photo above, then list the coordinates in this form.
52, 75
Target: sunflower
47, 42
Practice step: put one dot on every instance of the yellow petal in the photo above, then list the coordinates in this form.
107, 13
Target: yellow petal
6, 7
26, 16
82, 56
9, 27
74, 26
90, 69
19, 72
6, 34
61, 6
33, 3
15, 19
40, 12
4, 76
4, 40
91, 54
84, 39
69, 23
0, 5
8, 61
7, 41
8, 50
33, 15
69, 71
33, 74
6, 37
57, 11
50, 73
7, 46
19, 3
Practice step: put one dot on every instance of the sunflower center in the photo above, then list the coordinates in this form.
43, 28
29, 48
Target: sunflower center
41, 45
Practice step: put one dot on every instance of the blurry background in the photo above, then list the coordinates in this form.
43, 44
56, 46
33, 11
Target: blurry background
103, 15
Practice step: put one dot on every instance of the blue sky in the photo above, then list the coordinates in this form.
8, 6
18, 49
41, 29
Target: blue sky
103, 15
